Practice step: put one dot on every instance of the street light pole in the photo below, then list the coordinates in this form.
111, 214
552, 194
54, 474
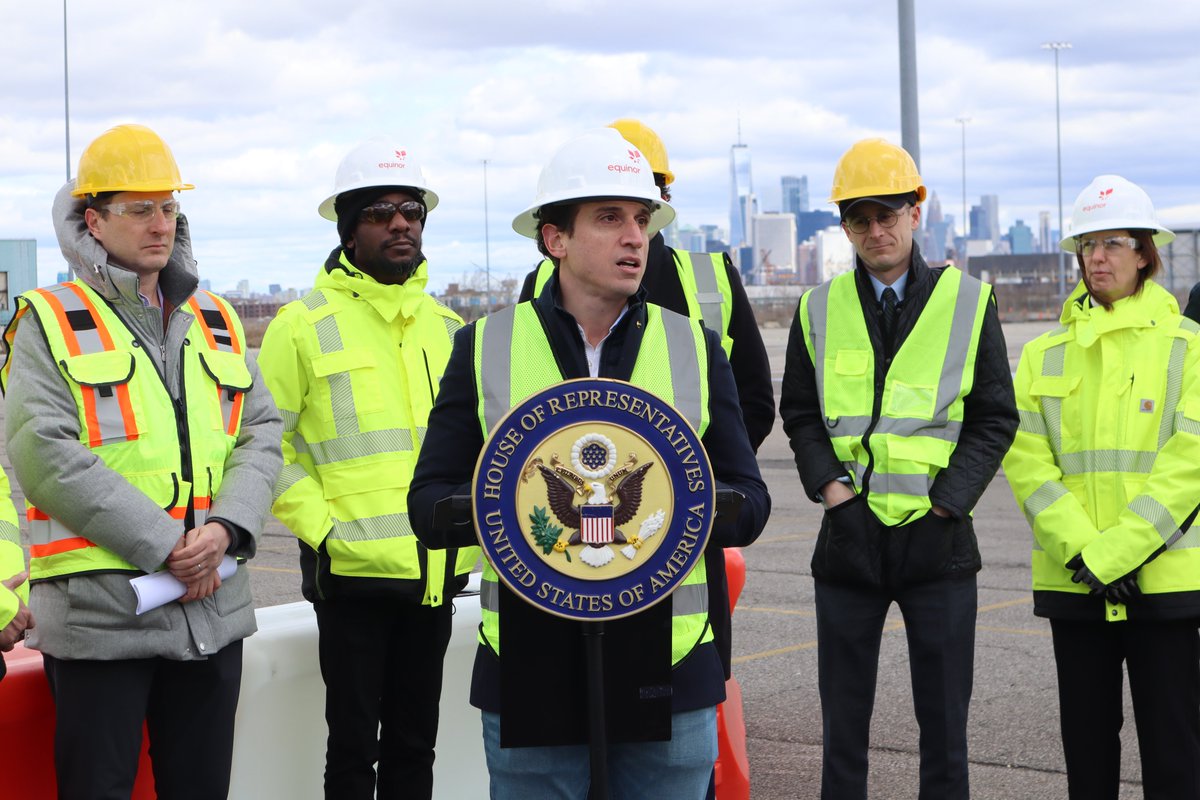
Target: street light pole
66, 93
963, 122
1062, 262
487, 247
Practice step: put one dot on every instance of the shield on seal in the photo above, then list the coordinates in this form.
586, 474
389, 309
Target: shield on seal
596, 523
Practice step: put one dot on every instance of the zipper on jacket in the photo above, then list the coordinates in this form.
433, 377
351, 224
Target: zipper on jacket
177, 403
429, 378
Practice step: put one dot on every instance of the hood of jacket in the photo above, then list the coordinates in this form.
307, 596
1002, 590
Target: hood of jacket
89, 260
1146, 309
388, 299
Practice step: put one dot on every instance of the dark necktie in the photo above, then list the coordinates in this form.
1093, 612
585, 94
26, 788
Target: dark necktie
888, 317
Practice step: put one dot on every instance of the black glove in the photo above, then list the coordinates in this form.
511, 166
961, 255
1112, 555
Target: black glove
1085, 576
1123, 590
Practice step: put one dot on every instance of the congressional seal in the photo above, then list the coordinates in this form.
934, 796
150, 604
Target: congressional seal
593, 499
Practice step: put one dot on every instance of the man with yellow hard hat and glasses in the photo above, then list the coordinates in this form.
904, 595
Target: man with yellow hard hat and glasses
145, 442
898, 402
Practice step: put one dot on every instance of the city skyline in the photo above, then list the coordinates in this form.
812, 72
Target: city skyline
261, 101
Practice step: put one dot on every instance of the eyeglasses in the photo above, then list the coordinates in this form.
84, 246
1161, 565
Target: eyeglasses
383, 211
1112, 244
886, 219
144, 210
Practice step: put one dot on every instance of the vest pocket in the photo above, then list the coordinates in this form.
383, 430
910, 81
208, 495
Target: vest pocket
849, 385
348, 385
1051, 392
232, 377
909, 400
111, 410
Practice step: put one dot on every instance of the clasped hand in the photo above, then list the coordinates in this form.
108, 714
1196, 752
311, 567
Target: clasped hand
1122, 590
195, 558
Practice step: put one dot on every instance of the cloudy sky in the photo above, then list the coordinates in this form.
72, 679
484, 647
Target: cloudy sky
260, 100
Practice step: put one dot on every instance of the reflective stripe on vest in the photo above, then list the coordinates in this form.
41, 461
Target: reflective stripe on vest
672, 363
1080, 463
706, 289
219, 333
128, 419
895, 457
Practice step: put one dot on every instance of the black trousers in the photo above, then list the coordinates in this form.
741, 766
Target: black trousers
939, 621
1163, 659
188, 708
381, 659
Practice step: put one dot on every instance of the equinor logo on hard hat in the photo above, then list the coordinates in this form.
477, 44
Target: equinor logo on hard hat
1104, 194
401, 155
635, 157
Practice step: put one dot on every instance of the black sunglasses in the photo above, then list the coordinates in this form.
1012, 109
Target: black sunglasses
383, 211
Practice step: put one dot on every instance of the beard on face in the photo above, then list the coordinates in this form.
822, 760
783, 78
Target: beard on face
385, 269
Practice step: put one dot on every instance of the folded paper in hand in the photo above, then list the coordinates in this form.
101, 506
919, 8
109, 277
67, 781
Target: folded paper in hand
159, 588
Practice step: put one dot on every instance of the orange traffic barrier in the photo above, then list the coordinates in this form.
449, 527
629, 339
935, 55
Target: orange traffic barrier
732, 771
735, 574
27, 732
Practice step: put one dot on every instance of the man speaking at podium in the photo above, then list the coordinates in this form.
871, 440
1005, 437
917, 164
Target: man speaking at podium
596, 208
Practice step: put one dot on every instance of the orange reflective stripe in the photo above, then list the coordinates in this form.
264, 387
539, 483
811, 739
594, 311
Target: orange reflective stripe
91, 420
178, 512
107, 341
234, 344
235, 414
199, 314
60, 546
201, 503
101, 329
60, 314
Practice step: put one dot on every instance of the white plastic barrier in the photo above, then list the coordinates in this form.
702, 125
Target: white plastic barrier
279, 740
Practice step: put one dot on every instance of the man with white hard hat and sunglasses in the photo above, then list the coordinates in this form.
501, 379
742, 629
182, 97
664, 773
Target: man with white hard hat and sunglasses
354, 366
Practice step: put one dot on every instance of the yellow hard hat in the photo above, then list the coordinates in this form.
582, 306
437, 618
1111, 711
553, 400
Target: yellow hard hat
875, 168
128, 158
644, 138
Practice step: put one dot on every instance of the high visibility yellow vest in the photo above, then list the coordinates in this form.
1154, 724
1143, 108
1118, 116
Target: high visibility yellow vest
127, 417
1102, 408
366, 414
705, 287
896, 455
672, 363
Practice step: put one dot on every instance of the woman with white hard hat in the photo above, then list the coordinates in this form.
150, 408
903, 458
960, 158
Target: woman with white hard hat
1106, 466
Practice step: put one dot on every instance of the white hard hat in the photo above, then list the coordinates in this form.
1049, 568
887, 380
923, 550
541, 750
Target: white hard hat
377, 162
598, 164
1111, 203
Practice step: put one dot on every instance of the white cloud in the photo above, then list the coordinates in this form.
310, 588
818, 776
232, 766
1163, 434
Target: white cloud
261, 100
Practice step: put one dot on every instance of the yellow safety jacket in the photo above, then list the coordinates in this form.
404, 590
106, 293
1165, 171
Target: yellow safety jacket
1106, 461
895, 443
175, 456
707, 290
354, 367
12, 557
672, 363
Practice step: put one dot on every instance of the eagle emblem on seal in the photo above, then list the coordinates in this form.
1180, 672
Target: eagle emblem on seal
595, 499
